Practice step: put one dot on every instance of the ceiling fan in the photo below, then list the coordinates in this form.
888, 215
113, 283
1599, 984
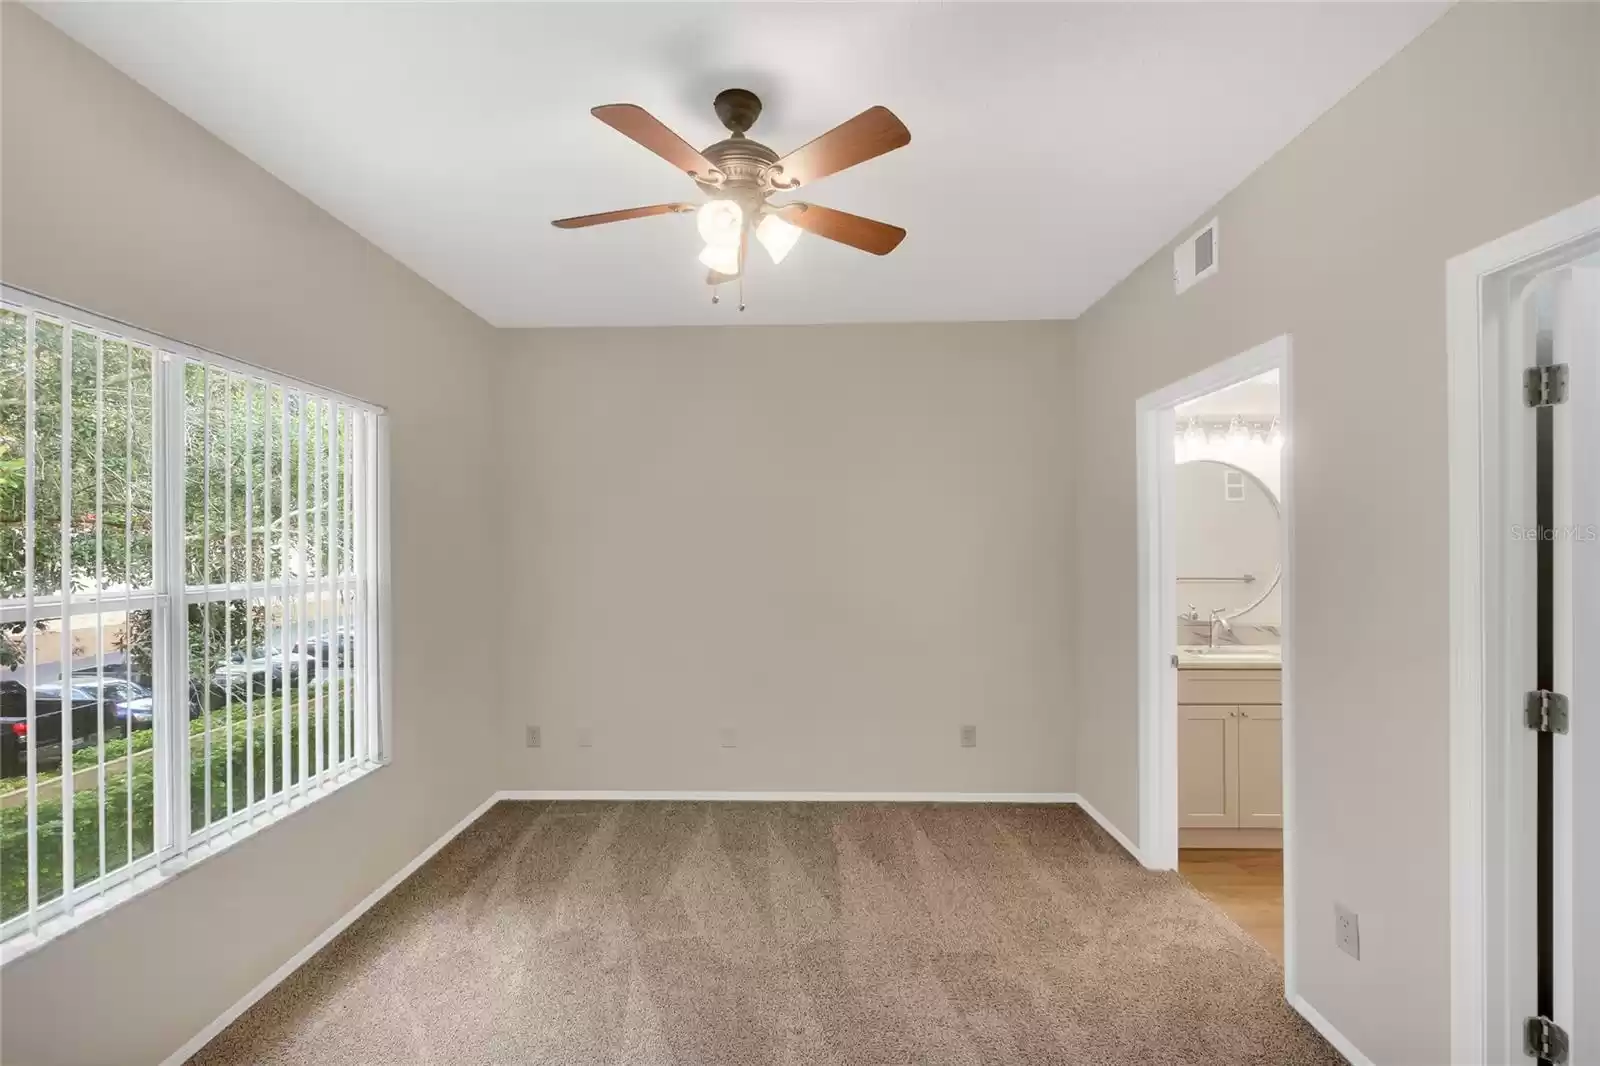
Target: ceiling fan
738, 175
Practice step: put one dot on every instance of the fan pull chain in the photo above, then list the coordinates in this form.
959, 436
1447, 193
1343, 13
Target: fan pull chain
716, 294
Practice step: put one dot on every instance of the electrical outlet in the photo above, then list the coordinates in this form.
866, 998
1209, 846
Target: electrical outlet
534, 740
969, 736
730, 738
1347, 930
585, 738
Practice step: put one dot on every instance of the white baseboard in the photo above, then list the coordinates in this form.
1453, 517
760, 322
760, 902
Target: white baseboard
1340, 1042
1116, 834
206, 1035
793, 797
837, 797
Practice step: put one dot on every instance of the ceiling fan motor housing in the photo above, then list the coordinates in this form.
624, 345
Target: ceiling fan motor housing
743, 163
737, 109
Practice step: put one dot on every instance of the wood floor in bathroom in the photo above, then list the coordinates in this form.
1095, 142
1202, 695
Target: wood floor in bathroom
1245, 883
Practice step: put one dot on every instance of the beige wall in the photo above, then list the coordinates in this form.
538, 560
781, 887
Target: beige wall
1489, 121
842, 541
111, 200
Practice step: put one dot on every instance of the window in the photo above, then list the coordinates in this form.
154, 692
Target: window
190, 565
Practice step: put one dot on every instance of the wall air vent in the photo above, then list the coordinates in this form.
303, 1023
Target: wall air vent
1196, 258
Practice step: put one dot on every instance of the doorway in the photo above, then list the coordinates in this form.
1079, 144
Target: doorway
1215, 513
1524, 362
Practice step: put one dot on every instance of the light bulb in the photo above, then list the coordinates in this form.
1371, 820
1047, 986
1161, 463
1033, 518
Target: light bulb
1195, 435
1275, 435
777, 236
724, 259
1238, 432
719, 222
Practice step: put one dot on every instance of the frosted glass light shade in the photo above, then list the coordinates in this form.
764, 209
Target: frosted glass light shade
777, 236
719, 222
724, 259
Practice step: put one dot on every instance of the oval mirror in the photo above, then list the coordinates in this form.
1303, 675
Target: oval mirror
1228, 544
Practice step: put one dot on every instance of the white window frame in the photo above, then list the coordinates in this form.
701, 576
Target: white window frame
178, 845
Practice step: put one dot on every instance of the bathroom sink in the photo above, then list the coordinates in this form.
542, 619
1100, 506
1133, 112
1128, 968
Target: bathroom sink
1239, 653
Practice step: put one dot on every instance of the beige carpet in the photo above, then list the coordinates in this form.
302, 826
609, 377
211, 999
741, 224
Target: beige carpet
816, 934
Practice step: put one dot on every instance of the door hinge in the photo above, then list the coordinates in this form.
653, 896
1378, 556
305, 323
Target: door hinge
1545, 1040
1544, 386
1546, 712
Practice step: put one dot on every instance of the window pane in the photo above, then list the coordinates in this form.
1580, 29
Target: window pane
127, 711
196, 453
103, 735
83, 441
128, 470
47, 454
13, 453
70, 728
271, 488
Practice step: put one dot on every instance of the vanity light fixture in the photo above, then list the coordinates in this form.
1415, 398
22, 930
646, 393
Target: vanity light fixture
1200, 436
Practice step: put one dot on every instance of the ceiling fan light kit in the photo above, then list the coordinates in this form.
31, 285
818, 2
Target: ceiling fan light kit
776, 236
739, 175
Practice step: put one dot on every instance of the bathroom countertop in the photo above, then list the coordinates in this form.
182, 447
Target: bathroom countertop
1189, 659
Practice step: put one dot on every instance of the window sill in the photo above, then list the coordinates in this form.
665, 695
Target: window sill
153, 871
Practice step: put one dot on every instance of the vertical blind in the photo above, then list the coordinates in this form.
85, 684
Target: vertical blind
190, 561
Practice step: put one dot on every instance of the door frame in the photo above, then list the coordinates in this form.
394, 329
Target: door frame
1491, 646
1155, 424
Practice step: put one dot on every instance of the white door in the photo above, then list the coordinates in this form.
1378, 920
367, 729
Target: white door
1577, 661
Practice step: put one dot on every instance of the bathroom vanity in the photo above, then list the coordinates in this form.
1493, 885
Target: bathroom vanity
1230, 748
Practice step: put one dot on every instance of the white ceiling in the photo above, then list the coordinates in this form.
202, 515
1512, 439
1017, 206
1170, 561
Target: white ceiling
1054, 146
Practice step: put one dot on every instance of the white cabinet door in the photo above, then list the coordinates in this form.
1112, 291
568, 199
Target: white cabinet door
1208, 778
1260, 767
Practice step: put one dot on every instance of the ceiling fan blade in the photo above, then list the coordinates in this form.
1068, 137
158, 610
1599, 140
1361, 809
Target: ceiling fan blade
639, 125
869, 235
621, 216
867, 136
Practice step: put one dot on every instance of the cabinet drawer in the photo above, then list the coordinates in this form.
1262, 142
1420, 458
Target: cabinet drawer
1230, 686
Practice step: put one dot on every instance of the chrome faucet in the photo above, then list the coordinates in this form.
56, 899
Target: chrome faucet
1218, 623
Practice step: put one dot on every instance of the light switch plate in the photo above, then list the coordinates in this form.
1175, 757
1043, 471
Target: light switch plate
534, 740
969, 736
1347, 930
730, 737
586, 738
